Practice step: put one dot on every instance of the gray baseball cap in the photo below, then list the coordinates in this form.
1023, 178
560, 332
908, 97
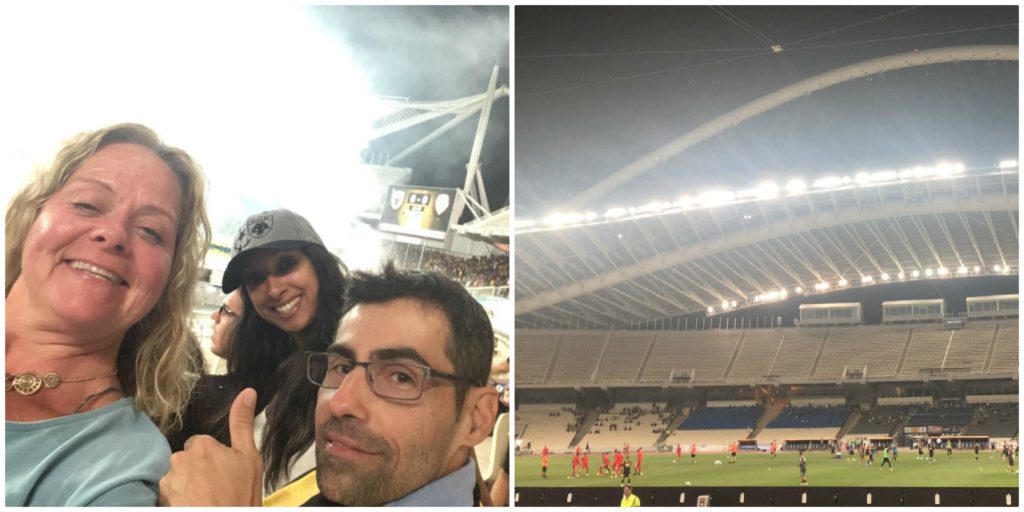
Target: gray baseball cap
273, 229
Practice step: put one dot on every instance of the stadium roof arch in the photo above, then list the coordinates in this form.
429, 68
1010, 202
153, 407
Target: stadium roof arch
726, 250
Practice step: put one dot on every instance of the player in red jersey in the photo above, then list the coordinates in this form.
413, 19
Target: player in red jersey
639, 461
575, 464
586, 463
604, 465
693, 453
679, 452
617, 466
774, 447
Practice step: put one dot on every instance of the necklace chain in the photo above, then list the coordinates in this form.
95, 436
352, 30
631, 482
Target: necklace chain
28, 383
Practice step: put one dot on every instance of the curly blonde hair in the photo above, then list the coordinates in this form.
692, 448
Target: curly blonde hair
158, 362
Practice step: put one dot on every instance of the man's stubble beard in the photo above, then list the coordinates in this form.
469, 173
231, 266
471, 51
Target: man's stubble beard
359, 484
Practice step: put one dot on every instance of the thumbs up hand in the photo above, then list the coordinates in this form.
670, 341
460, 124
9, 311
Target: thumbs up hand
208, 473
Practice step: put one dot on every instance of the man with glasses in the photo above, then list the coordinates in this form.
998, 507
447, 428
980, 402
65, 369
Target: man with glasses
402, 401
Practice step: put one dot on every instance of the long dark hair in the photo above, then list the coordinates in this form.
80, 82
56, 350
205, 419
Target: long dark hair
269, 360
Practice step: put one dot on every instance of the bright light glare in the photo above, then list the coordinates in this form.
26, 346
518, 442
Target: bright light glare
885, 277
942, 271
716, 197
794, 187
915, 273
1007, 164
711, 309
275, 122
829, 182
928, 272
961, 270
843, 282
798, 289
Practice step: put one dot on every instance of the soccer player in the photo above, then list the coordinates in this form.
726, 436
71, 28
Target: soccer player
871, 454
732, 452
575, 464
931, 452
773, 449
604, 465
894, 452
849, 448
639, 461
976, 450
885, 459
586, 463
626, 467
679, 452
693, 453
1009, 462
949, 448
803, 469
544, 463
617, 466
545, 450
920, 450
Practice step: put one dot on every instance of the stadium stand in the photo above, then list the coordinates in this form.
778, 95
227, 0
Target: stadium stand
548, 425
997, 421
926, 351
577, 357
878, 349
676, 351
726, 418
534, 351
810, 417
624, 354
952, 419
793, 359
1005, 354
638, 424
754, 359
882, 421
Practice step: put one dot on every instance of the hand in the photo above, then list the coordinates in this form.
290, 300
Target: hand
208, 473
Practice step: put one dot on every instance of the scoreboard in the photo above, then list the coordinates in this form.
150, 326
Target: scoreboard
418, 211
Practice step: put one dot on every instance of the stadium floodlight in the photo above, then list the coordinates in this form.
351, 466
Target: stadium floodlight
821, 286
928, 272
843, 282
881, 176
615, 213
686, 202
716, 197
1007, 164
798, 289
733, 304
783, 293
901, 275
942, 271
590, 216
711, 309
867, 279
996, 268
795, 187
946, 170
828, 182
767, 190
916, 273
525, 224
962, 270
977, 269
885, 277
1006, 269
725, 305
862, 178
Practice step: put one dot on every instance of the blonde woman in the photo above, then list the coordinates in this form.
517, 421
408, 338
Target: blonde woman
103, 249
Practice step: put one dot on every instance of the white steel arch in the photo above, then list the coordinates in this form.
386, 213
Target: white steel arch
785, 95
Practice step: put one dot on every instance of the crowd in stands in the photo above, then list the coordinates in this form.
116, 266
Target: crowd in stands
811, 417
472, 272
997, 413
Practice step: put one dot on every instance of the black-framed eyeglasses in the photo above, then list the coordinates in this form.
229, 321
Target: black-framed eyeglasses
395, 379
225, 310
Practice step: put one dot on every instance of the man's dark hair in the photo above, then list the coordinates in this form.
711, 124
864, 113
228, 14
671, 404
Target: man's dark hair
470, 338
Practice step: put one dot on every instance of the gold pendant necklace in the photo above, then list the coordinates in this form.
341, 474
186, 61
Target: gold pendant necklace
29, 383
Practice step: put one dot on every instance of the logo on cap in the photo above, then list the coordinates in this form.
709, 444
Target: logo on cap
257, 226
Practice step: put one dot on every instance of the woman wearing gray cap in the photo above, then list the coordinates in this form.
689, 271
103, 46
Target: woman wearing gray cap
294, 285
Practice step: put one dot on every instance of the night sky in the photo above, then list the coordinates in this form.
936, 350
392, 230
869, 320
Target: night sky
599, 87
434, 53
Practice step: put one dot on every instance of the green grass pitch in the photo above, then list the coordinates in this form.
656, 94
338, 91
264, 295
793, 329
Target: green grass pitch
759, 470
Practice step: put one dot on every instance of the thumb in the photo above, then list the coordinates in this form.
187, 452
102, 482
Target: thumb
240, 421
